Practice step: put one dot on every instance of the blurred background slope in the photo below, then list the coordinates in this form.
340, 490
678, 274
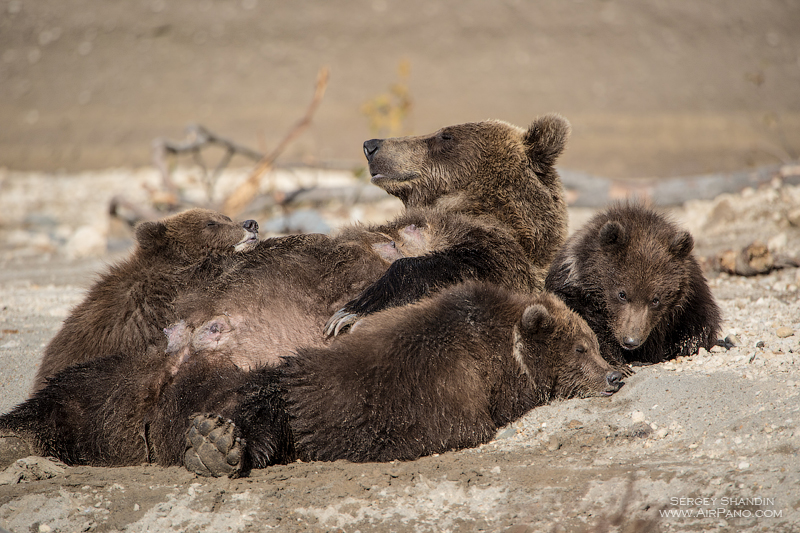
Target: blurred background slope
652, 87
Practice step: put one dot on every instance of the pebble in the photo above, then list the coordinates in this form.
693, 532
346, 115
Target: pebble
784, 332
637, 416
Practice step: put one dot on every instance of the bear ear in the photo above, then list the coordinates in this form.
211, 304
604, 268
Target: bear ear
546, 138
537, 321
612, 234
151, 234
682, 245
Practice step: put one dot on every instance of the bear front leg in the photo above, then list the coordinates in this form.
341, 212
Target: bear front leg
411, 278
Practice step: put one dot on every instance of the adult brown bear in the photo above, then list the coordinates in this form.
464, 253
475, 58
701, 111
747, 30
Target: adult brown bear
485, 197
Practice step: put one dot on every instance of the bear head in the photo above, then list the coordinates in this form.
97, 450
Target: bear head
558, 350
638, 264
196, 233
489, 168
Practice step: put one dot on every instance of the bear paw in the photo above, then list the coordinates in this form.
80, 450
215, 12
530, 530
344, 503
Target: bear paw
212, 450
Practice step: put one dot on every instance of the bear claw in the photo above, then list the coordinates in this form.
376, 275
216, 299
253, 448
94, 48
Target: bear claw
340, 320
211, 448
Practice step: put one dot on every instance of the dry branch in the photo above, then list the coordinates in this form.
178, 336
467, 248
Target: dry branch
244, 194
198, 138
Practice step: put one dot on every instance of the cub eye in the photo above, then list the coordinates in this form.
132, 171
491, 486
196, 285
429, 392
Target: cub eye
622, 296
210, 223
580, 348
655, 302
446, 136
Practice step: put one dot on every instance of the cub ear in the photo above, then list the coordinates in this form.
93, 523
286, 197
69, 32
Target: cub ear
151, 234
612, 234
546, 138
537, 321
682, 245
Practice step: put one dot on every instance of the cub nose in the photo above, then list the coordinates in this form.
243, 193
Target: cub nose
250, 225
629, 343
614, 381
370, 147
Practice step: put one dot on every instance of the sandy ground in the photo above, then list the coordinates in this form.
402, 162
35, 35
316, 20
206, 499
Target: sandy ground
707, 443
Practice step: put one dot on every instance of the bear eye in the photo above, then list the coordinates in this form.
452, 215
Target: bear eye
622, 296
445, 136
580, 348
655, 302
210, 223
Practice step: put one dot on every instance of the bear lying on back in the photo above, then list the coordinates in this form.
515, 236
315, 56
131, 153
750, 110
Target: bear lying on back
126, 309
631, 274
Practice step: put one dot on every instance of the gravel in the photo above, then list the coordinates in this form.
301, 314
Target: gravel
703, 443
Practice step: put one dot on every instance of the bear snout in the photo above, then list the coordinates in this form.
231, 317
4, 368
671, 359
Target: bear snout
631, 343
613, 382
250, 225
370, 147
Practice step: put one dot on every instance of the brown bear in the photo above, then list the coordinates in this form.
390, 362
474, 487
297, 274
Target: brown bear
441, 374
499, 175
486, 195
631, 274
483, 202
128, 306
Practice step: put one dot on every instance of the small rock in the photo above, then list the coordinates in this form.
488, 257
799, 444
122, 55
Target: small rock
553, 444
784, 332
744, 465
732, 340
640, 430
31, 469
637, 417
760, 344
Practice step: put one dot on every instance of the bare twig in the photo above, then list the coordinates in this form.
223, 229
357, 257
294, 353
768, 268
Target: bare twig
245, 193
197, 138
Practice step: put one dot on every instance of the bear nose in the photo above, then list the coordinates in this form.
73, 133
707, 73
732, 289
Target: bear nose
250, 225
614, 381
631, 342
370, 147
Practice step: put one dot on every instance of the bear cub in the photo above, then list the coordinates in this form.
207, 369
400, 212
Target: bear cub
440, 374
127, 307
630, 273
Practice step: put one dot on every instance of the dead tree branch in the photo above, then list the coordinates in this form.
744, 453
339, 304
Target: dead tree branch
198, 138
248, 190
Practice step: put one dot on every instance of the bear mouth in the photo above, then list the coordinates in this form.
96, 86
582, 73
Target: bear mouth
249, 241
